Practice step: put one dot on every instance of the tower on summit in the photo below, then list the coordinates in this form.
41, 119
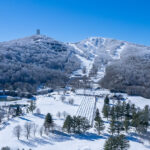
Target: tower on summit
38, 32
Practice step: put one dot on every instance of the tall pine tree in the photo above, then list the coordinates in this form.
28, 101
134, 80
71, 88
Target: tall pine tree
99, 124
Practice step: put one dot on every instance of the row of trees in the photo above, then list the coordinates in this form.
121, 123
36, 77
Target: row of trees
17, 110
76, 124
32, 128
27, 129
124, 116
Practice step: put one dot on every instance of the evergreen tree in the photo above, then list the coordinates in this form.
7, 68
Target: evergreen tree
118, 108
84, 124
136, 120
18, 111
112, 112
48, 122
99, 125
116, 143
32, 106
127, 111
118, 127
110, 144
123, 108
133, 109
106, 100
106, 110
74, 124
68, 124
123, 143
146, 114
78, 124
97, 114
112, 128
126, 124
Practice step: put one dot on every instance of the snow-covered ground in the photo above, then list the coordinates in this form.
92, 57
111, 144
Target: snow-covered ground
59, 140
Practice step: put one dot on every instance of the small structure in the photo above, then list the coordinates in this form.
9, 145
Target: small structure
38, 32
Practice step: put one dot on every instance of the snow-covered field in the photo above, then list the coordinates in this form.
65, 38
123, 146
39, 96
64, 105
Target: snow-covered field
59, 140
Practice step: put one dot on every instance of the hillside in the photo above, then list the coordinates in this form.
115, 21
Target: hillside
33, 61
30, 62
124, 66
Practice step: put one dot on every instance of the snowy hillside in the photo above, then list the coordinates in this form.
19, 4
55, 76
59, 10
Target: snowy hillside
29, 62
98, 52
123, 65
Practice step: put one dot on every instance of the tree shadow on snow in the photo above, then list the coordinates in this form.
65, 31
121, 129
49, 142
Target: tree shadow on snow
59, 136
89, 136
132, 137
144, 136
42, 116
4, 125
22, 118
27, 143
35, 142
41, 141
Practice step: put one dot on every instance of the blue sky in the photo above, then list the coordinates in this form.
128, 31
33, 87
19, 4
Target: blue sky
75, 20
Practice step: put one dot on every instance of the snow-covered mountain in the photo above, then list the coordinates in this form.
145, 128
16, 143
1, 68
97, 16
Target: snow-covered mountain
95, 46
96, 53
127, 64
35, 60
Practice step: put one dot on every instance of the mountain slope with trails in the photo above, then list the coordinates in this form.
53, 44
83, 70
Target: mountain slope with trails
37, 60
122, 66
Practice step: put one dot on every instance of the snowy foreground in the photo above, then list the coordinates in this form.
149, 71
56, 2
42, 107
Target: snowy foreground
83, 105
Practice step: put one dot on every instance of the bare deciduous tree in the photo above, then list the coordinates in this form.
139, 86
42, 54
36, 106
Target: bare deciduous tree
41, 131
27, 128
71, 101
63, 98
58, 114
64, 114
35, 127
17, 131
